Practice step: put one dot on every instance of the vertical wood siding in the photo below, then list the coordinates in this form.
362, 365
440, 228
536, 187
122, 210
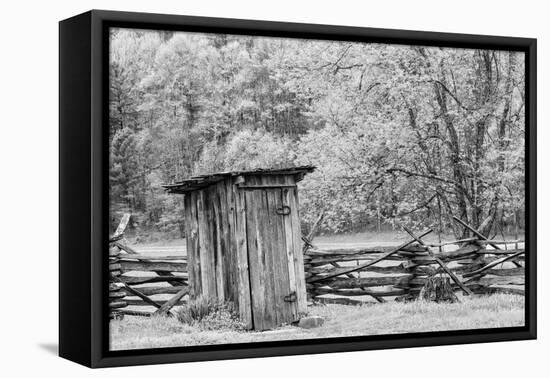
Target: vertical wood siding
240, 250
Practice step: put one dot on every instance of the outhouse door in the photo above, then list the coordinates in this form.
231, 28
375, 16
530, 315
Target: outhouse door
271, 217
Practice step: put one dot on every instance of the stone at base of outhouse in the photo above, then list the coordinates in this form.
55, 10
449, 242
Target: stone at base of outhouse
311, 322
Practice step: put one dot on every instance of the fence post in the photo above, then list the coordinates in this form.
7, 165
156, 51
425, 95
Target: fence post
420, 271
116, 291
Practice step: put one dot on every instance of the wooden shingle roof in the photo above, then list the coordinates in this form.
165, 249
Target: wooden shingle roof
202, 181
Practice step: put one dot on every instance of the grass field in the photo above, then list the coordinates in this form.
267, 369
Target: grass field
370, 319
346, 240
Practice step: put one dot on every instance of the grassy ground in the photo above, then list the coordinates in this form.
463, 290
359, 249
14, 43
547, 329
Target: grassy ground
388, 318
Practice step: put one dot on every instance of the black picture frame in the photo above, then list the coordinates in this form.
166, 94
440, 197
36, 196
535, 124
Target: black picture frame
83, 205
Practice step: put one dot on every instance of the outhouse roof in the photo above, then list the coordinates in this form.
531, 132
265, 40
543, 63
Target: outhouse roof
202, 181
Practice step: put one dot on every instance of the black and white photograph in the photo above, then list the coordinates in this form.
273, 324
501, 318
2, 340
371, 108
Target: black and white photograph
267, 189
310, 189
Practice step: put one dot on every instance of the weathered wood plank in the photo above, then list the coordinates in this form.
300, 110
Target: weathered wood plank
500, 242
211, 253
489, 281
159, 303
121, 227
320, 261
114, 251
374, 269
207, 263
190, 233
427, 260
231, 256
275, 247
430, 270
291, 249
353, 283
114, 266
172, 302
203, 243
157, 258
125, 248
264, 186
480, 259
452, 242
244, 283
281, 278
340, 301
299, 273
143, 297
494, 263
155, 290
141, 280
255, 245
266, 228
136, 313
170, 274
217, 227
285, 251
500, 251
118, 304
506, 272
225, 243
394, 258
152, 266
195, 238
389, 292
117, 294
360, 251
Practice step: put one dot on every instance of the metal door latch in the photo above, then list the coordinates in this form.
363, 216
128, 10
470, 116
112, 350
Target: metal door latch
290, 297
284, 210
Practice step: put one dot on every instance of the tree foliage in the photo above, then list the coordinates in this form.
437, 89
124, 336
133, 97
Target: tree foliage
408, 133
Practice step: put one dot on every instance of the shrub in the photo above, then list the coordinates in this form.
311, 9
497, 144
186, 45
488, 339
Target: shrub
223, 319
209, 314
438, 289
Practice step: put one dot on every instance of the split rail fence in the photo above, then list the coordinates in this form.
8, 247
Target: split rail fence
343, 276
139, 280
477, 266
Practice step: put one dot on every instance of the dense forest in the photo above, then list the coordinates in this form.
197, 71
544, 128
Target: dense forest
398, 133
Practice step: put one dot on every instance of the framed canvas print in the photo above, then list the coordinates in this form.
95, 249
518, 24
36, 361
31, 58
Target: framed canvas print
233, 188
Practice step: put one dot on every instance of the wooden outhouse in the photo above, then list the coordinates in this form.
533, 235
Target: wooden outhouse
244, 242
